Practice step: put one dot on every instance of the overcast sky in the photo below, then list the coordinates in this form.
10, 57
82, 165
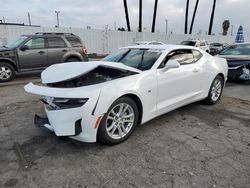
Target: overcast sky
97, 13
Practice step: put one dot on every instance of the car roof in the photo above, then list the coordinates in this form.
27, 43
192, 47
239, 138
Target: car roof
148, 42
168, 47
33, 35
244, 43
195, 40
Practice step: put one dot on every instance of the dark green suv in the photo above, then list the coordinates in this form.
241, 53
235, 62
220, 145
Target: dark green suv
33, 53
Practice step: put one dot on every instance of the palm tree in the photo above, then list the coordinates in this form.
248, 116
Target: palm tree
186, 17
225, 26
140, 16
211, 19
154, 16
192, 23
126, 14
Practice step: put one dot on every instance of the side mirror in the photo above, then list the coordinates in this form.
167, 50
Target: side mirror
24, 47
171, 64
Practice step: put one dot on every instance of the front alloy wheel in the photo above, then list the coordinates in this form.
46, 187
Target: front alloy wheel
119, 122
6, 72
215, 90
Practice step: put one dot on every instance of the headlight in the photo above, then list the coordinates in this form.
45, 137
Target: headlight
63, 103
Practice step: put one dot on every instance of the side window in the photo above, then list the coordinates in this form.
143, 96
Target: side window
74, 42
55, 42
155, 43
197, 55
202, 44
35, 43
184, 57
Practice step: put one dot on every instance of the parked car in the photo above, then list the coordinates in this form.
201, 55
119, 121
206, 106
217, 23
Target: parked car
238, 58
216, 47
32, 53
149, 43
105, 100
202, 44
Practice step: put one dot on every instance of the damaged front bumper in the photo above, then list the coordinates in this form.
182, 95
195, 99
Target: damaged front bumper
77, 122
43, 123
241, 71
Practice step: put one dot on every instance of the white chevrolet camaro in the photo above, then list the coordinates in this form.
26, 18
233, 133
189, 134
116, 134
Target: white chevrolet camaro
105, 100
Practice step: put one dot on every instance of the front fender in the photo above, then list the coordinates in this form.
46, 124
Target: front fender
107, 98
9, 60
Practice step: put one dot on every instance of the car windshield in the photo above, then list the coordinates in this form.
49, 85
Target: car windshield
16, 43
216, 44
189, 43
236, 50
142, 59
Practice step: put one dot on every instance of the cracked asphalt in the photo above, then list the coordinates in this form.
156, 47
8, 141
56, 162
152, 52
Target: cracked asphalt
195, 146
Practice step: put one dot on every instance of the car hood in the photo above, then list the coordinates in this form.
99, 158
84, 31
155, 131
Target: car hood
216, 47
66, 71
235, 57
4, 49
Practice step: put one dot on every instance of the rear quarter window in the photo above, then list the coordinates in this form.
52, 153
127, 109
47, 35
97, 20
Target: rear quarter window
197, 55
74, 42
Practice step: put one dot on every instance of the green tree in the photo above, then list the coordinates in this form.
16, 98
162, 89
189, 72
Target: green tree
121, 29
225, 27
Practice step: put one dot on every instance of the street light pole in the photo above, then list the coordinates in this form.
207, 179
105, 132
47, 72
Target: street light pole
57, 16
166, 26
29, 18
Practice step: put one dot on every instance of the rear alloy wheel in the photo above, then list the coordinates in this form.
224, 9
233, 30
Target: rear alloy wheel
7, 72
119, 122
215, 90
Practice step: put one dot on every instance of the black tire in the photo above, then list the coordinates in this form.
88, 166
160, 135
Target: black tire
210, 99
102, 132
72, 59
7, 72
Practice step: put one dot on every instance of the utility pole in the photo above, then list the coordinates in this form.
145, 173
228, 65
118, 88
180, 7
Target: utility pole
57, 16
232, 28
140, 15
29, 18
166, 26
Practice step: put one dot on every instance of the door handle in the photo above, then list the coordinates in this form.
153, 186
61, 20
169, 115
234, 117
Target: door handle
196, 70
41, 52
64, 50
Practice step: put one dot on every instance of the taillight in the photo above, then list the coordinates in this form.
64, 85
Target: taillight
85, 51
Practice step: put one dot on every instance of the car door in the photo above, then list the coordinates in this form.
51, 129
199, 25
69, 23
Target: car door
179, 86
33, 54
56, 49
